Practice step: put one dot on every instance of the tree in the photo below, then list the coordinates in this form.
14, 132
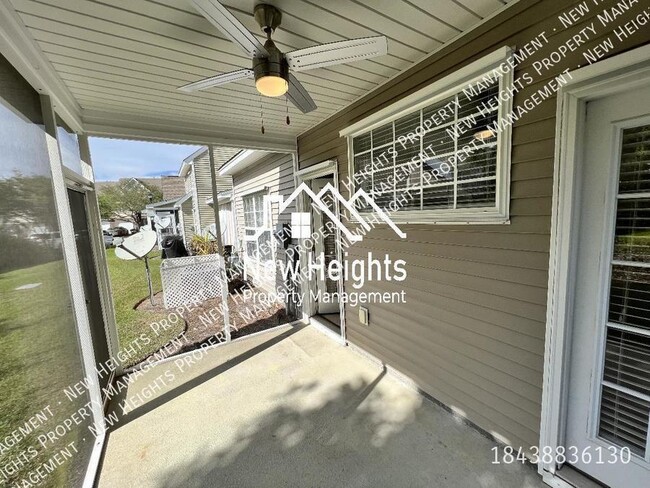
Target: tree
126, 199
27, 202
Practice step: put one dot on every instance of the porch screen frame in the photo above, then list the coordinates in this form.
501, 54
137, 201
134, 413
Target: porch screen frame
78, 296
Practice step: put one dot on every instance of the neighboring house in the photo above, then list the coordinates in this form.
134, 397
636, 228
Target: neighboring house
256, 174
164, 217
226, 219
172, 187
196, 213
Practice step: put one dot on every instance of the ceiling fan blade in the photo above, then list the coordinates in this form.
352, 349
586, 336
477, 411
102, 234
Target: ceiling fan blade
298, 95
337, 53
227, 23
221, 79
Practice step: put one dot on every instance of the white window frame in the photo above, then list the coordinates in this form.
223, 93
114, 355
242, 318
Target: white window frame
431, 94
264, 195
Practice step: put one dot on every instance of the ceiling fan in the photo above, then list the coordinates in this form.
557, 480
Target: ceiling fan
272, 69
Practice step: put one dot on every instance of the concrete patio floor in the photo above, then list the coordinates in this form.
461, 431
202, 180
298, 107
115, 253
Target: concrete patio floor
292, 408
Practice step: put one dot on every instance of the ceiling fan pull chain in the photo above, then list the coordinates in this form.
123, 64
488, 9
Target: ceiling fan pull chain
286, 101
261, 112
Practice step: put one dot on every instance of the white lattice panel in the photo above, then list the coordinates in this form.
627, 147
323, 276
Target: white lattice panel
185, 280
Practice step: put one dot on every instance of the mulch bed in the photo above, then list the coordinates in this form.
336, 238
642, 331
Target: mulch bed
205, 320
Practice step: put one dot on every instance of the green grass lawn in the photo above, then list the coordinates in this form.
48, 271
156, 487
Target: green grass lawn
129, 286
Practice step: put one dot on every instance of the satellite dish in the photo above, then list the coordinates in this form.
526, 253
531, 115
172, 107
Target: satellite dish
137, 246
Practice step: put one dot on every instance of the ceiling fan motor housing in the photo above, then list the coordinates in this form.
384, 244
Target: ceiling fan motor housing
273, 65
268, 17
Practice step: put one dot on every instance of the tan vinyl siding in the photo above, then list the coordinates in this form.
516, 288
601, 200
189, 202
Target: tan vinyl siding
273, 174
472, 331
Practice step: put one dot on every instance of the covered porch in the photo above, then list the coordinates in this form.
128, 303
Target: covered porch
293, 408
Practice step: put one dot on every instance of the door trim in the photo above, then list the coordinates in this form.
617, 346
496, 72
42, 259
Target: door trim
614, 75
325, 168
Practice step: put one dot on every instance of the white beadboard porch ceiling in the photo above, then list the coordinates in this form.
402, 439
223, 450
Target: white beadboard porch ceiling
122, 60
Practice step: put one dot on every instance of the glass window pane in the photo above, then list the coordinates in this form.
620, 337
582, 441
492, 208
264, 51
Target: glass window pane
624, 419
408, 175
480, 163
382, 135
438, 197
383, 181
437, 170
405, 126
383, 200
439, 141
69, 144
635, 160
629, 296
470, 102
627, 360
363, 172
264, 249
476, 194
440, 113
361, 143
633, 230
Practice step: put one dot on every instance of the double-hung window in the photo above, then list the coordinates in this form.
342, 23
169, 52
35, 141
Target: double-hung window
441, 155
256, 248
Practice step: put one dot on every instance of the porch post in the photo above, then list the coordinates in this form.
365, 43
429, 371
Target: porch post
215, 201
222, 259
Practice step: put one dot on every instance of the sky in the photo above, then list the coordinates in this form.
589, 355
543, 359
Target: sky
114, 158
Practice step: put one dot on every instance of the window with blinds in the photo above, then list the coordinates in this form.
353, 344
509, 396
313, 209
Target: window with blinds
625, 395
259, 249
444, 161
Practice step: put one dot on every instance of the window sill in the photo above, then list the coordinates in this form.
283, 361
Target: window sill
432, 218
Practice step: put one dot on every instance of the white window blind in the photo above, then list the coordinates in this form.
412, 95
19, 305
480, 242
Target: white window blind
445, 161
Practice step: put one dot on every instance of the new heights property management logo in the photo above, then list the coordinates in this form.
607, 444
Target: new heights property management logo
314, 247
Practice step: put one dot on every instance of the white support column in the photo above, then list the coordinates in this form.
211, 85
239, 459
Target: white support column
222, 259
215, 201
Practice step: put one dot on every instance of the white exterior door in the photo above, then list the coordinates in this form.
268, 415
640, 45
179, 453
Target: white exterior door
609, 378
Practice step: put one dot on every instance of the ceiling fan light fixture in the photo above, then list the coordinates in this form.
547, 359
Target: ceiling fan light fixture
271, 72
272, 85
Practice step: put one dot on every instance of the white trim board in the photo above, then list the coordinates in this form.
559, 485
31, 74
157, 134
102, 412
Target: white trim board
614, 75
